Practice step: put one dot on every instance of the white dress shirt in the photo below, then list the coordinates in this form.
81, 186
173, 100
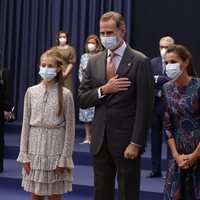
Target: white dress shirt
118, 57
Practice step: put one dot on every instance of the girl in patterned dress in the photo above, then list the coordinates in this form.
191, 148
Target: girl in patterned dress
47, 136
182, 125
92, 47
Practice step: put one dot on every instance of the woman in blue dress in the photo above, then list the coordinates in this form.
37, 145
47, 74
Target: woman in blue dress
92, 47
182, 125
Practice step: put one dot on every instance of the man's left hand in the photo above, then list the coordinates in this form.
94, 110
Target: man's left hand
131, 151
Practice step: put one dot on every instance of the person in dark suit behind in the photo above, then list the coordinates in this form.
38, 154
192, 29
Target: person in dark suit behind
6, 104
123, 102
158, 66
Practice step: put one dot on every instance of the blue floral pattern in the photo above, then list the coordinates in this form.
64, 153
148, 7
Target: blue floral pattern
85, 115
182, 122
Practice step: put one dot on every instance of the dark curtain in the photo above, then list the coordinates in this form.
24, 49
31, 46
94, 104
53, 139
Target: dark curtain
155, 19
28, 28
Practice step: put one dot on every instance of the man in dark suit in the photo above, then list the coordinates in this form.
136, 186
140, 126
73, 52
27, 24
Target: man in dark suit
158, 66
123, 103
6, 103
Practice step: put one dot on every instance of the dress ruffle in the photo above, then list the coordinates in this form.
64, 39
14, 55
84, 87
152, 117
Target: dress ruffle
46, 162
41, 176
42, 179
45, 189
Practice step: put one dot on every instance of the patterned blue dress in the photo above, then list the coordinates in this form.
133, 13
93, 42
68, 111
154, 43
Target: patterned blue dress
85, 115
182, 122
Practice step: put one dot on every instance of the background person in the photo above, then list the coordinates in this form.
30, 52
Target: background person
92, 47
6, 104
182, 125
47, 136
69, 57
119, 83
160, 77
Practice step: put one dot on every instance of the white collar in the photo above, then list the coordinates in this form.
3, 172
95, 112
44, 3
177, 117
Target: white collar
119, 51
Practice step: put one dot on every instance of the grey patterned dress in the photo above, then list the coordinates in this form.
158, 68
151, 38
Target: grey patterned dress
47, 140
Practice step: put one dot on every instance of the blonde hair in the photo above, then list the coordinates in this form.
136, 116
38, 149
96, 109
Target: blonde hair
59, 78
99, 47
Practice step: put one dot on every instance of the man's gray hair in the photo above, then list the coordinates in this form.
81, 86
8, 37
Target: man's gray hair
168, 39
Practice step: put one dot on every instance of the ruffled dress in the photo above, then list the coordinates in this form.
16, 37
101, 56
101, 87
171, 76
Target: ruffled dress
47, 140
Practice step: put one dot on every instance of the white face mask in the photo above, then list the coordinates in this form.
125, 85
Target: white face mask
162, 52
48, 73
109, 42
173, 70
91, 47
62, 40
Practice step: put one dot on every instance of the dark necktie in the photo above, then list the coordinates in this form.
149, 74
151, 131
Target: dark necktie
111, 67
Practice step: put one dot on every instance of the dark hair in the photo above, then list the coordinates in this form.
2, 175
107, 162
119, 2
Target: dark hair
183, 53
58, 35
118, 18
59, 78
99, 47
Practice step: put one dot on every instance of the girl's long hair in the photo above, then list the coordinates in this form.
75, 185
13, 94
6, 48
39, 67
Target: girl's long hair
59, 77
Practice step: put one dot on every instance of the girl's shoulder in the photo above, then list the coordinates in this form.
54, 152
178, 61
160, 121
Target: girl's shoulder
66, 92
34, 87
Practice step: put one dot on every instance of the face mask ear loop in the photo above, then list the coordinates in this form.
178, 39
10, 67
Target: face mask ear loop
181, 71
184, 69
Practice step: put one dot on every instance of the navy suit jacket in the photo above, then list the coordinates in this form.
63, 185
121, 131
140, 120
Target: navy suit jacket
122, 117
157, 68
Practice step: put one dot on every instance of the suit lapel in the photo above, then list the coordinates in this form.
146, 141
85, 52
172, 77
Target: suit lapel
160, 67
103, 64
126, 62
